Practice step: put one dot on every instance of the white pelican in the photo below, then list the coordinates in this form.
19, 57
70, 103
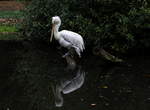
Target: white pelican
67, 39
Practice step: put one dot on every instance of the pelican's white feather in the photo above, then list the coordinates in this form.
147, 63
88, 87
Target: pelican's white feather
67, 39
73, 38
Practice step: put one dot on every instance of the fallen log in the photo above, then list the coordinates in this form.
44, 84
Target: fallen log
104, 54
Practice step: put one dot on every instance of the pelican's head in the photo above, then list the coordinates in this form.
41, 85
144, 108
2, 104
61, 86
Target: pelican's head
55, 22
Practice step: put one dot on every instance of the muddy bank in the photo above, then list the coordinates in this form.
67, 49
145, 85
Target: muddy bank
11, 5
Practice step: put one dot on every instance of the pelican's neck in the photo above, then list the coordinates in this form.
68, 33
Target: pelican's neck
56, 30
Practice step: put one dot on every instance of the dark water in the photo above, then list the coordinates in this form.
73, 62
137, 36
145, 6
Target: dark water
36, 78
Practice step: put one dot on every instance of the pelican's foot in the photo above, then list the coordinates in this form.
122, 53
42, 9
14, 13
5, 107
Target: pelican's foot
59, 48
66, 54
79, 56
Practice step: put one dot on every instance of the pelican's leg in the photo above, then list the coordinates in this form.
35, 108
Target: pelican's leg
77, 51
70, 52
66, 54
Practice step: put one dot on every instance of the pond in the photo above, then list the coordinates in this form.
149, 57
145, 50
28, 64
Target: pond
36, 78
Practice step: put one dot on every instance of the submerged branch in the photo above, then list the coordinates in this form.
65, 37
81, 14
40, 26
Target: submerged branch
101, 52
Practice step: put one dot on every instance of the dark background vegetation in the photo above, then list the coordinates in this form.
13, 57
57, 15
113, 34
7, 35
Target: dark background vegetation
116, 25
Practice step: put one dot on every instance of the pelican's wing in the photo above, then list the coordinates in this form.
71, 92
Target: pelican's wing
64, 43
73, 38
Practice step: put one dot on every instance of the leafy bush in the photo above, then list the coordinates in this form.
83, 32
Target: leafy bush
113, 24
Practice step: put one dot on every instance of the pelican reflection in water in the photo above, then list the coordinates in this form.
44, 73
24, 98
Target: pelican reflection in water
67, 85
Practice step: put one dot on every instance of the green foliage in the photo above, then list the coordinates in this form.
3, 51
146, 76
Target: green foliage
117, 25
11, 14
10, 25
11, 29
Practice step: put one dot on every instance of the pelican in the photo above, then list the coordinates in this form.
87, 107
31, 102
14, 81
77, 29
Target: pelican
67, 39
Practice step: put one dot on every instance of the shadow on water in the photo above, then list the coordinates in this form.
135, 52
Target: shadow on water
35, 78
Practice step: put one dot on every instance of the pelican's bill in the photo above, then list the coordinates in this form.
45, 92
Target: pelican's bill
52, 32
